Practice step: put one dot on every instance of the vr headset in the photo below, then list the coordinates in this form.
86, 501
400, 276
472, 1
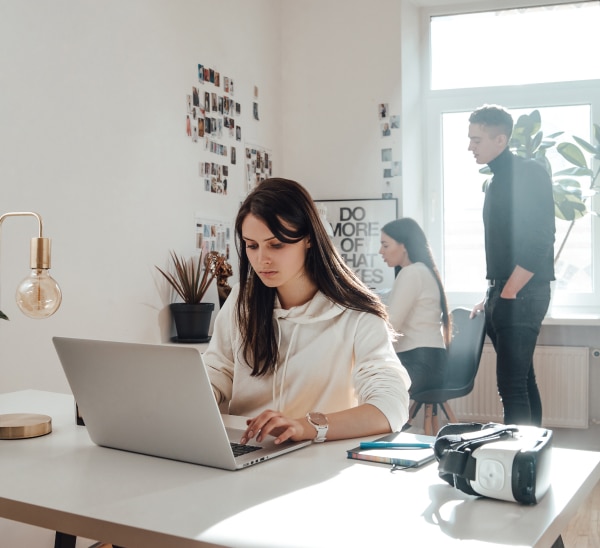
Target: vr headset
505, 462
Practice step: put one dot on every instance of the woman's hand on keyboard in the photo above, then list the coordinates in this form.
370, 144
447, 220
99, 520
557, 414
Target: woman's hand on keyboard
282, 427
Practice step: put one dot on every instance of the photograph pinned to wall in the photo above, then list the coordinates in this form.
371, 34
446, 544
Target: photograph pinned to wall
356, 228
387, 191
228, 85
255, 104
386, 154
213, 235
395, 122
391, 188
385, 129
383, 110
259, 165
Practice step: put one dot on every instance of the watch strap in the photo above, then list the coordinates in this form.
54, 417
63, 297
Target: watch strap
320, 428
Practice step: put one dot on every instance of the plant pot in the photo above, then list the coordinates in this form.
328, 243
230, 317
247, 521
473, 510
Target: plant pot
192, 321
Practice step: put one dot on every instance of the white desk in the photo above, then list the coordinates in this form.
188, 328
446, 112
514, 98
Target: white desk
314, 497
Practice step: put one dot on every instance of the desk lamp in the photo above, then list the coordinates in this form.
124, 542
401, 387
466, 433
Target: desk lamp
38, 296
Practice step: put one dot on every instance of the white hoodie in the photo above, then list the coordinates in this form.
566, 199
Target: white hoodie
330, 359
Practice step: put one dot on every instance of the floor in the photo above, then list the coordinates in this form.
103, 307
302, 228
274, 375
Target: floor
584, 528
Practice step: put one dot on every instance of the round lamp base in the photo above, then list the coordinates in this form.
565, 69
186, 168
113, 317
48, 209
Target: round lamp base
17, 426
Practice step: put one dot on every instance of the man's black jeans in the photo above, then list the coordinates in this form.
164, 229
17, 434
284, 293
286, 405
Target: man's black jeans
513, 326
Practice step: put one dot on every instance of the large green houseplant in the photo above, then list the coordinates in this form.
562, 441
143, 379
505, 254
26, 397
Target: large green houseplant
571, 200
190, 279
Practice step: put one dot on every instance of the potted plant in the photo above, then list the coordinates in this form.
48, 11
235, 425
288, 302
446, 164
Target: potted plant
191, 279
570, 200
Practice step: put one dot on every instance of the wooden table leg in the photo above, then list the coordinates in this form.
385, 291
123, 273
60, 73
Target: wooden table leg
428, 420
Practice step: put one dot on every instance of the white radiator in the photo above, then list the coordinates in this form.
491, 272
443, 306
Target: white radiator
562, 374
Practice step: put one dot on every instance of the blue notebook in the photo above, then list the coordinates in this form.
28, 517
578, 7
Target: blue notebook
407, 458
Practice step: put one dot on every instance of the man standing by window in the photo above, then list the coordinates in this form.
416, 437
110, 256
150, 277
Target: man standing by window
518, 218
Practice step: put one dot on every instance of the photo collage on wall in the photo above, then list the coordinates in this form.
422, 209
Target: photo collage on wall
212, 235
389, 125
213, 120
259, 165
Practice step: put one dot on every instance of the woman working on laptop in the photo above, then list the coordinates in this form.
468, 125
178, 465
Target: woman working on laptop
301, 345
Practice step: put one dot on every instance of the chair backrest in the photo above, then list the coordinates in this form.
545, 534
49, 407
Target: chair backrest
464, 352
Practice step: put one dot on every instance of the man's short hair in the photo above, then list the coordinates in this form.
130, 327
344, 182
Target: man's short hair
493, 116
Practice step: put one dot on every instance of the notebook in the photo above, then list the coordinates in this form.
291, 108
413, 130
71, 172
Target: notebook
156, 400
402, 457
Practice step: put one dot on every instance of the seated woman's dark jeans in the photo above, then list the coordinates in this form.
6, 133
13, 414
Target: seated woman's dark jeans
426, 367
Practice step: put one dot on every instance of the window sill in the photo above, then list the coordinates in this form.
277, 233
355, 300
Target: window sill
567, 317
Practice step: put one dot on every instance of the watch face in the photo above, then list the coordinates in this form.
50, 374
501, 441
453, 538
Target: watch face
318, 418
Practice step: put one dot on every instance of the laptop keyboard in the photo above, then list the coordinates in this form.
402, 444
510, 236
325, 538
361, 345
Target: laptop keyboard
239, 449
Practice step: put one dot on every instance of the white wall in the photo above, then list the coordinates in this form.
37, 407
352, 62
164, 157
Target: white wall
92, 137
341, 59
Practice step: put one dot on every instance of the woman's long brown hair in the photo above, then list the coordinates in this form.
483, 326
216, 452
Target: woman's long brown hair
291, 215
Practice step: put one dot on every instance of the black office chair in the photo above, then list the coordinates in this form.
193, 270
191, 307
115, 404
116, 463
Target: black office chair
464, 355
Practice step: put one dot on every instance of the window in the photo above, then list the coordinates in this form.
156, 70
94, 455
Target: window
534, 45
522, 75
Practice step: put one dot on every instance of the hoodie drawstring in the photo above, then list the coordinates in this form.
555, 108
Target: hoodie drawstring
279, 399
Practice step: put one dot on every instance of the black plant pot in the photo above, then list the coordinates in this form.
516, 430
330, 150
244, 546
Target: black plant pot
192, 321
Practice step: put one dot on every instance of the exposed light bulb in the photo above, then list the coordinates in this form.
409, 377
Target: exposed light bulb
38, 295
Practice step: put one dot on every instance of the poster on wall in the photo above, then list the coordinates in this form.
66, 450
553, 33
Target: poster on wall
356, 228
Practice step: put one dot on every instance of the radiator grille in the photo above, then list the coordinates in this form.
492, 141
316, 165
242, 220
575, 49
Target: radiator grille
562, 374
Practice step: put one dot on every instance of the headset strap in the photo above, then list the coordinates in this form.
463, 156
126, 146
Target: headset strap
455, 451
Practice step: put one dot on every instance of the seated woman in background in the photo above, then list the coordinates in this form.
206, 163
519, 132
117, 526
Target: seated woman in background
302, 346
417, 304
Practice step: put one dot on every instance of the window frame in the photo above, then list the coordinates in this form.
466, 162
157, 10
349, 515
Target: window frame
437, 102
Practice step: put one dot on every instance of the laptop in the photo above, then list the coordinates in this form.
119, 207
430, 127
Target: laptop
156, 400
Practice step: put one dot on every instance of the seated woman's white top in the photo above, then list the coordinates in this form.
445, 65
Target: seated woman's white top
415, 310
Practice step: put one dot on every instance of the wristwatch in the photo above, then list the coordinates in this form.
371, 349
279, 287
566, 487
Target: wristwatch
320, 423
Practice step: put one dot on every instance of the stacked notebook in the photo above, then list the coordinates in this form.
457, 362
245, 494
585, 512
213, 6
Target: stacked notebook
406, 457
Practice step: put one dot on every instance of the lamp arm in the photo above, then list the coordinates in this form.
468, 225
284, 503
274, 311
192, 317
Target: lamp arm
24, 214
